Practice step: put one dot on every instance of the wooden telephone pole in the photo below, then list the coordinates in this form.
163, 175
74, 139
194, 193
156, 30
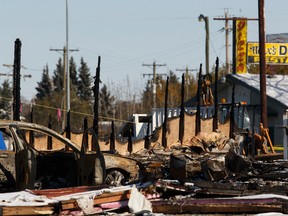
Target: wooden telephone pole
262, 66
154, 65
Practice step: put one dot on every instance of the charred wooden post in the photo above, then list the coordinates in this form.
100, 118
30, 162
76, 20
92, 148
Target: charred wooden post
31, 114
164, 128
49, 138
68, 129
198, 115
96, 104
112, 137
85, 135
232, 120
215, 117
181, 120
253, 133
16, 80
68, 126
130, 143
147, 143
31, 134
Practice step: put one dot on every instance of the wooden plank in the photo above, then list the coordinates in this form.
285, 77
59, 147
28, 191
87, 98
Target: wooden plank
51, 193
100, 199
216, 208
227, 205
27, 210
231, 193
114, 198
69, 204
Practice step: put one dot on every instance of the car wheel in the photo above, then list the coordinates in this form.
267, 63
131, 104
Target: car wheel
115, 178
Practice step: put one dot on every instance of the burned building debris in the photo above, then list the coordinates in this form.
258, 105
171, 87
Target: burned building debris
208, 175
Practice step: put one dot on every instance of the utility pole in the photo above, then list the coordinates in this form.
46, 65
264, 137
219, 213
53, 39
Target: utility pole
186, 70
67, 61
65, 79
227, 30
227, 42
262, 66
154, 65
227, 19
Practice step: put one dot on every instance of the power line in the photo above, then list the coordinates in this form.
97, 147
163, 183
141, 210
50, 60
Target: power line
10, 74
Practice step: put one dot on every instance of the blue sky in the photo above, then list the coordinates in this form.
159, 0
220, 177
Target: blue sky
125, 33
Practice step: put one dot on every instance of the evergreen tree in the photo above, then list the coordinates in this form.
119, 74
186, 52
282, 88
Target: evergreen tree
6, 97
106, 102
58, 76
84, 82
44, 86
73, 72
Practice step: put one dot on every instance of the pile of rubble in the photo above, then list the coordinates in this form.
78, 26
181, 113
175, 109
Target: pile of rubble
208, 174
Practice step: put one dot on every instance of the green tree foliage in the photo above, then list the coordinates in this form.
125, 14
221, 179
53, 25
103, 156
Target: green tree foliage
46, 107
44, 87
79, 110
84, 82
6, 97
73, 72
58, 76
106, 102
49, 102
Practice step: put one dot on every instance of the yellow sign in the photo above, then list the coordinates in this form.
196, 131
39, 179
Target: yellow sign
241, 50
275, 53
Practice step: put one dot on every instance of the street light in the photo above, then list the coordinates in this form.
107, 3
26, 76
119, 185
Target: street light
206, 20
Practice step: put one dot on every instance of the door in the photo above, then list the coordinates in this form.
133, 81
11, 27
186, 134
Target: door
25, 160
7, 161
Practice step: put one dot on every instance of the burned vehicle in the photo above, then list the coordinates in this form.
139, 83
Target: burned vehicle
22, 166
121, 170
57, 155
